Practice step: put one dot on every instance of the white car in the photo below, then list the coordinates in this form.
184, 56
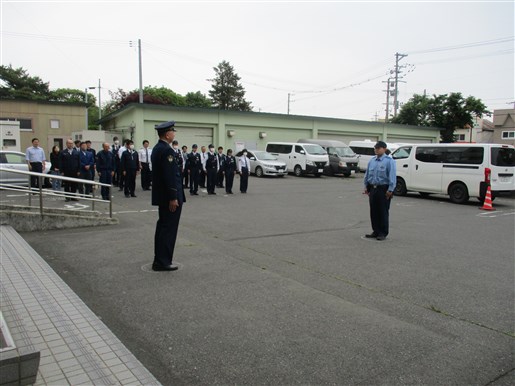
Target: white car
264, 164
16, 160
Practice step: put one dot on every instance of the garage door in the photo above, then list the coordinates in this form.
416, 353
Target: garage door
189, 135
346, 138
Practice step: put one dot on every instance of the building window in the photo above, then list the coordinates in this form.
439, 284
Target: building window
460, 137
54, 123
25, 124
508, 135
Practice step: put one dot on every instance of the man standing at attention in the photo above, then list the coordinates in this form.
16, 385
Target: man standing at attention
35, 157
168, 195
105, 169
380, 180
144, 160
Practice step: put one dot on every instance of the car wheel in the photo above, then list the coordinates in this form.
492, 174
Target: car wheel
458, 193
400, 188
318, 174
347, 175
297, 170
259, 171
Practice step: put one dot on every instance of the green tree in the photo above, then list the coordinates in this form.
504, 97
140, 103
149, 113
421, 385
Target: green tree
18, 84
226, 91
72, 95
197, 99
448, 112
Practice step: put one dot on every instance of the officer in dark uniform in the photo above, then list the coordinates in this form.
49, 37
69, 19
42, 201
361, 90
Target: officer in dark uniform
194, 165
168, 195
229, 171
221, 162
130, 168
69, 166
211, 168
178, 155
105, 169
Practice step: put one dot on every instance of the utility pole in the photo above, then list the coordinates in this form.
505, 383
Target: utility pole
86, 101
288, 103
99, 105
398, 58
140, 73
389, 93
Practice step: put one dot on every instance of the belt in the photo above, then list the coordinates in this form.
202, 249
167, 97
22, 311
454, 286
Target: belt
378, 186
36, 162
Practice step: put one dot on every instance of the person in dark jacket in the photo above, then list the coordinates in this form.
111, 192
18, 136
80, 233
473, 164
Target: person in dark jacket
168, 195
129, 164
211, 167
54, 167
221, 161
105, 169
69, 166
229, 171
194, 166
87, 163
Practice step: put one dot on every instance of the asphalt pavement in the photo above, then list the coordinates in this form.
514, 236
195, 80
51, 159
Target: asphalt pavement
279, 286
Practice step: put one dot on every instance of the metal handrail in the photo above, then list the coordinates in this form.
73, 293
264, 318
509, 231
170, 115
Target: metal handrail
41, 192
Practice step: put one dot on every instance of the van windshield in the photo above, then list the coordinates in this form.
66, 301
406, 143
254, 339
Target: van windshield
315, 149
344, 151
503, 156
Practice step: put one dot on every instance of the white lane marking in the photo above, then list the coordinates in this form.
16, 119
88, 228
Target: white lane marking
496, 213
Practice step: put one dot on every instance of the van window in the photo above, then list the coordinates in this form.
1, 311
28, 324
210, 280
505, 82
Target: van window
430, 154
298, 149
402, 153
503, 156
315, 149
363, 150
278, 148
464, 155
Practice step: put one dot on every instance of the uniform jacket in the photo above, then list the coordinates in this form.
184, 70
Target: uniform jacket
69, 163
105, 161
194, 162
129, 161
166, 175
230, 164
86, 158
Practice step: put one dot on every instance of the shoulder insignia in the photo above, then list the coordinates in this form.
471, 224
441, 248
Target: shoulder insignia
171, 158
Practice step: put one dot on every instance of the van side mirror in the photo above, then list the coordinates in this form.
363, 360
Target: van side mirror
302, 152
252, 158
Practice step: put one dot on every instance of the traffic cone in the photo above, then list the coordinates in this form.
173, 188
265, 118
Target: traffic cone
487, 205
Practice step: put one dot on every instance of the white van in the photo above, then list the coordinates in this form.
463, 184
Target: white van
300, 158
365, 150
458, 170
342, 160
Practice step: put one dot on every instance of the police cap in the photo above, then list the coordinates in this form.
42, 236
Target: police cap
380, 144
166, 126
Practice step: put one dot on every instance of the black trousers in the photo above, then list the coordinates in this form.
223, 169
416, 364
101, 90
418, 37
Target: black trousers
166, 235
185, 175
379, 209
105, 178
202, 179
244, 180
220, 179
129, 182
85, 188
70, 187
211, 180
194, 180
116, 177
146, 176
229, 180
37, 167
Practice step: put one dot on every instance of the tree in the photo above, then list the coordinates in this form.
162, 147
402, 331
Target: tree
197, 99
226, 91
18, 84
448, 112
72, 95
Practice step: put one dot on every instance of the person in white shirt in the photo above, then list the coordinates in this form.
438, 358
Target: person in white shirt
244, 170
121, 150
145, 165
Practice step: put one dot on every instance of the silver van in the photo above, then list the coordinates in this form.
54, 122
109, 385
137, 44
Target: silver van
342, 159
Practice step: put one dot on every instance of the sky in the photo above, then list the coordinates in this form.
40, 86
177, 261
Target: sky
332, 58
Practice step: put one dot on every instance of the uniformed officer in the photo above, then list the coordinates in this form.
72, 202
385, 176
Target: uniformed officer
244, 170
105, 169
168, 195
380, 180
194, 165
221, 161
229, 171
130, 168
178, 155
211, 167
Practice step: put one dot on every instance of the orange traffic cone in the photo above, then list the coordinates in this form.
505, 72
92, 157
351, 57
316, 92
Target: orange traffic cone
487, 205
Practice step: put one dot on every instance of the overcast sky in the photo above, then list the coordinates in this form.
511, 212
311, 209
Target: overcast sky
332, 57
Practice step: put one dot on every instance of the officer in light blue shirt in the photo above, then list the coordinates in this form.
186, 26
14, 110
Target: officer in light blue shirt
380, 180
35, 157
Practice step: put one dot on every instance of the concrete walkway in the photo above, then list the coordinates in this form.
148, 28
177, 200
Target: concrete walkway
41, 311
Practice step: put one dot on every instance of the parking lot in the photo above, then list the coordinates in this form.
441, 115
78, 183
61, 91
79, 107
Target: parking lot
279, 286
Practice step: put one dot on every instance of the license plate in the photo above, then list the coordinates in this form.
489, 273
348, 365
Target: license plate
352, 172
320, 170
504, 179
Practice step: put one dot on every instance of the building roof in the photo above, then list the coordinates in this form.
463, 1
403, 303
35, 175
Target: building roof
43, 102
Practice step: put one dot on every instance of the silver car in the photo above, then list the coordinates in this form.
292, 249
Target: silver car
16, 160
263, 163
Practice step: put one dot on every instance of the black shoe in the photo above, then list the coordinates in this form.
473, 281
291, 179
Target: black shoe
381, 238
171, 267
75, 199
127, 196
133, 195
195, 193
371, 236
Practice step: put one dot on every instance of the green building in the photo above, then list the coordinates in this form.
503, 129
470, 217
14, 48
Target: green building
236, 129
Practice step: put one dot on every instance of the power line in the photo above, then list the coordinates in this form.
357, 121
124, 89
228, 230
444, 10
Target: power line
63, 38
465, 45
